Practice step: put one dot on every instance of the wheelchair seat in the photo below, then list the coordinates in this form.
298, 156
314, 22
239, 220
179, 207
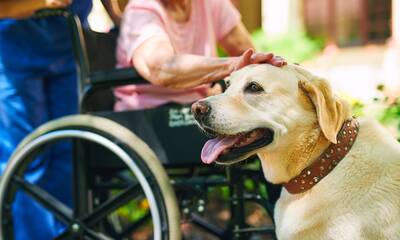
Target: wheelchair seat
168, 130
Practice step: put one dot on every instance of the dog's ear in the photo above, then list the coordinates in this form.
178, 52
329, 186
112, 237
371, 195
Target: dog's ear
331, 111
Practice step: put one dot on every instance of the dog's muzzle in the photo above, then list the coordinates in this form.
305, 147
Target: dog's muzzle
201, 111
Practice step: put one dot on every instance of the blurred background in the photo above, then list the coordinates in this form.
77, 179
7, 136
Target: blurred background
355, 44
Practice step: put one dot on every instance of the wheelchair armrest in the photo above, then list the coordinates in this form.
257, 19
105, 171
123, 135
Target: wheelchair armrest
108, 79
115, 77
124, 76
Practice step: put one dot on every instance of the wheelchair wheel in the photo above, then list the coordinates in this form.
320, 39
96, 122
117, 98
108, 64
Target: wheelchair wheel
151, 181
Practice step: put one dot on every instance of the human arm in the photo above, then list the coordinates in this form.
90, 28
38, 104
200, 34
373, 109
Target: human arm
26, 8
156, 61
237, 41
114, 11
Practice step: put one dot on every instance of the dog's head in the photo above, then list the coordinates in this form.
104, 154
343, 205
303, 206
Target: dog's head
263, 108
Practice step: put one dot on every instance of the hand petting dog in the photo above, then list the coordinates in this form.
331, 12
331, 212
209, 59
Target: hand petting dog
252, 57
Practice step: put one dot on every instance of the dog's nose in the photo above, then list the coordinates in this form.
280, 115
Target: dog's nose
200, 110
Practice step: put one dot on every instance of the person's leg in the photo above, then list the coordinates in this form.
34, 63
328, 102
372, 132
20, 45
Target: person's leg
62, 99
22, 109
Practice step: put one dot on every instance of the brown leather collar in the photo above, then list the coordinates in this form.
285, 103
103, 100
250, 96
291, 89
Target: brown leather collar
324, 164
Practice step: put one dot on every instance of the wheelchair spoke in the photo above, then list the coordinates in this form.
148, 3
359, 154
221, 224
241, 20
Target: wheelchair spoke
81, 231
111, 205
95, 235
59, 209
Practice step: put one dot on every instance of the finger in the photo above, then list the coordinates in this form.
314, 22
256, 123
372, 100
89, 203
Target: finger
282, 59
248, 54
279, 58
278, 61
261, 57
245, 59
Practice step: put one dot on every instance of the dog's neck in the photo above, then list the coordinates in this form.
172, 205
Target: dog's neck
287, 161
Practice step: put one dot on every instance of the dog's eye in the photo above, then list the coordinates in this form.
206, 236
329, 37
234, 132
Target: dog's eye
253, 87
227, 83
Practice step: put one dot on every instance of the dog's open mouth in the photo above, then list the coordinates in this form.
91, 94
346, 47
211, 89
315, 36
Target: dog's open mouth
225, 149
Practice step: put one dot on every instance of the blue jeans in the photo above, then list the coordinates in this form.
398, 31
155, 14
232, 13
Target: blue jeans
28, 99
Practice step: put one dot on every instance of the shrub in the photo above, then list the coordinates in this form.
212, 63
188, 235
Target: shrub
294, 46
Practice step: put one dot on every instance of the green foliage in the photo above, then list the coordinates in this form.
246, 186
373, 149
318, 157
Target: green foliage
249, 184
386, 112
221, 52
294, 47
391, 110
358, 108
390, 116
134, 210
391, 113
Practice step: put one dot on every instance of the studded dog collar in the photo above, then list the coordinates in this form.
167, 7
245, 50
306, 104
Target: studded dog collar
327, 161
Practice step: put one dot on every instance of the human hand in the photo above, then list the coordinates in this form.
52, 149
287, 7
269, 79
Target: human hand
251, 57
56, 3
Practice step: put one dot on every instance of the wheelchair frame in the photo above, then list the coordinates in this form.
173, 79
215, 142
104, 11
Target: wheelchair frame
232, 177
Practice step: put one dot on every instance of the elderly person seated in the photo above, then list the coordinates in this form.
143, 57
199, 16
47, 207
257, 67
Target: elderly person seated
173, 44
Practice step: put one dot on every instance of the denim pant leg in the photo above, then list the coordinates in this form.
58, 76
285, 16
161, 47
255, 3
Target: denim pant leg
25, 104
62, 99
22, 108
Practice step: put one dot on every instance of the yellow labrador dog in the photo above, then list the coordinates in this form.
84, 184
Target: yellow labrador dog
341, 176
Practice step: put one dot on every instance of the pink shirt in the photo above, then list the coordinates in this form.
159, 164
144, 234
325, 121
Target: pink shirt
209, 22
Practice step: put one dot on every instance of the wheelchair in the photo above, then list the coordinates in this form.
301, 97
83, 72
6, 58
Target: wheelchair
132, 170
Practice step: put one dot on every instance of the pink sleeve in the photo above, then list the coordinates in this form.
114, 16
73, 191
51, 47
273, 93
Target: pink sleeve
225, 17
138, 25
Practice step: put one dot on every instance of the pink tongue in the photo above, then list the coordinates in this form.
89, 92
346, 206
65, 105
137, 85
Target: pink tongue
214, 147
